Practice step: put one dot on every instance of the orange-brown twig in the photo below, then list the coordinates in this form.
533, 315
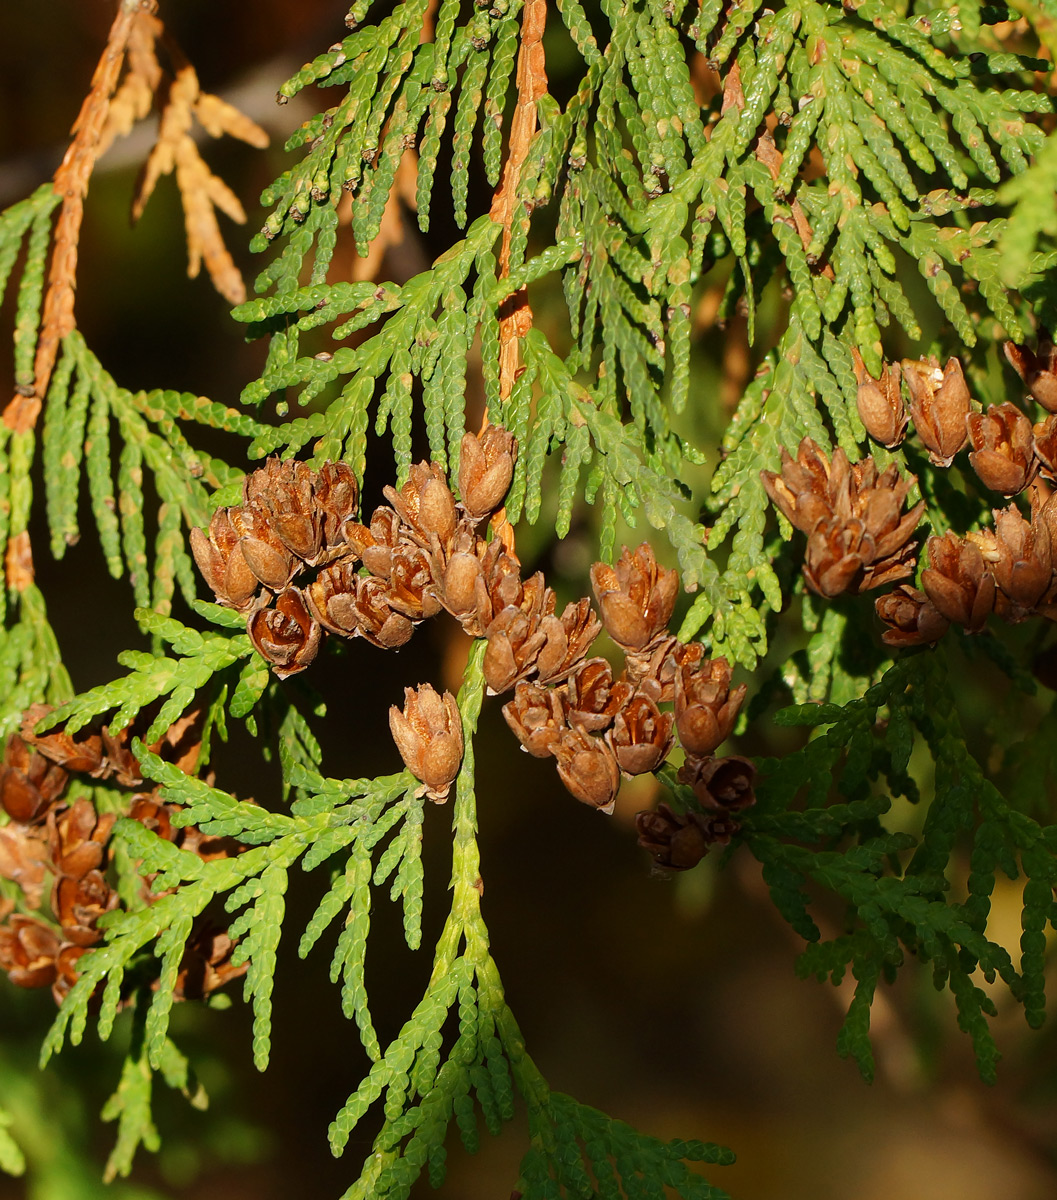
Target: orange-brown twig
71, 182
515, 318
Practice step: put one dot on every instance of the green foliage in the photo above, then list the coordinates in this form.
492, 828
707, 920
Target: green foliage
870, 177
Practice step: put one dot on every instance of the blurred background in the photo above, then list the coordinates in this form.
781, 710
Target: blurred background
672, 1005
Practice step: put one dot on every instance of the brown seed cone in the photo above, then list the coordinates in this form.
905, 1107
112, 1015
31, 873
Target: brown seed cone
154, 814
331, 599
24, 859
1044, 445
515, 640
1002, 453
880, 403
425, 504
486, 467
588, 768
536, 718
353, 605
939, 405
220, 559
81, 752
810, 487
283, 493
286, 635
641, 737
77, 838
568, 639
1038, 369
29, 783
28, 949
375, 543
653, 670
636, 597
958, 581
336, 494
66, 972
721, 784
263, 550
428, 734
706, 707
591, 697
1019, 556
206, 964
911, 617
678, 841
411, 589
475, 579
79, 903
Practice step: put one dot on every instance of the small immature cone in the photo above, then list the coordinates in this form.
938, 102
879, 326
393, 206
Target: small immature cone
641, 737
588, 768
535, 717
220, 559
286, 635
428, 734
721, 784
1038, 369
1002, 453
911, 617
958, 581
706, 706
486, 467
880, 403
677, 841
939, 405
635, 597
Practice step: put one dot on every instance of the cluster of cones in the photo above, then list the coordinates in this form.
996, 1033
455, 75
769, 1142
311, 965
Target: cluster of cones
425, 551
859, 538
56, 849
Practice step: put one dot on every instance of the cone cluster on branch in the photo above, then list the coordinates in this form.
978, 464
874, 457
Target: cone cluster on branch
858, 536
56, 848
859, 539
425, 551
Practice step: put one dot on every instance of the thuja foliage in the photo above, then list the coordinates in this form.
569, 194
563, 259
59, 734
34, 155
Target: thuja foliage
845, 183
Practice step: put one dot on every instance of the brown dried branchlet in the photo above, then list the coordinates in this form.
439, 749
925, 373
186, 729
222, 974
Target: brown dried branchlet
1002, 454
220, 559
880, 402
286, 635
486, 467
706, 706
588, 768
428, 734
721, 784
1019, 556
958, 581
911, 617
641, 736
939, 404
636, 597
1038, 369
536, 717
